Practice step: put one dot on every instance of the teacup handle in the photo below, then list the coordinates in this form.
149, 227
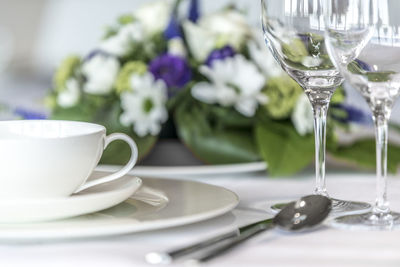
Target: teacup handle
124, 170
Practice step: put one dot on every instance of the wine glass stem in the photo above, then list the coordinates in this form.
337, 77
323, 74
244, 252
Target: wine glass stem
320, 112
381, 135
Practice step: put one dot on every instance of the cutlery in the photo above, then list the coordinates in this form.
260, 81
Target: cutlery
304, 213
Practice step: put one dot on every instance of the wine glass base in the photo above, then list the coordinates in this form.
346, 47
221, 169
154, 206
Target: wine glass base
368, 221
338, 207
349, 207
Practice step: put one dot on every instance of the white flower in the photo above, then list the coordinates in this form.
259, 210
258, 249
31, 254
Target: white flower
226, 27
262, 56
100, 72
234, 82
302, 116
177, 47
144, 106
154, 16
229, 24
121, 43
200, 41
69, 97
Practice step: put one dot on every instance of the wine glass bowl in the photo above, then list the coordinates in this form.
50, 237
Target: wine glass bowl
363, 41
296, 39
370, 64
294, 32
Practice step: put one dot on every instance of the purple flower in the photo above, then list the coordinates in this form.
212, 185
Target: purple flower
173, 70
363, 65
28, 114
305, 38
194, 13
220, 54
94, 53
173, 29
354, 115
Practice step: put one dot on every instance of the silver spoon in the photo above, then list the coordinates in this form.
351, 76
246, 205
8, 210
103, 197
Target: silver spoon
307, 212
304, 213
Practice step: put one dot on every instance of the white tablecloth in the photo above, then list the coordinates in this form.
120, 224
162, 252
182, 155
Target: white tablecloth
325, 247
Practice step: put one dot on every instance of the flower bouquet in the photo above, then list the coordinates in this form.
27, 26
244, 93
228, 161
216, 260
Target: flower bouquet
213, 78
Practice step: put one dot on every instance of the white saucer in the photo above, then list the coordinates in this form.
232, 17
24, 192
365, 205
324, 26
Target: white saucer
91, 200
189, 202
190, 171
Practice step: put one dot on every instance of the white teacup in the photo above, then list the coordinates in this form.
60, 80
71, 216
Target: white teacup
51, 159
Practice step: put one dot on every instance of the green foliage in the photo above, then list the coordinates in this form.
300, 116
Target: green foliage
123, 82
282, 93
338, 96
361, 154
126, 19
147, 50
212, 136
227, 117
335, 114
285, 151
109, 31
155, 46
66, 70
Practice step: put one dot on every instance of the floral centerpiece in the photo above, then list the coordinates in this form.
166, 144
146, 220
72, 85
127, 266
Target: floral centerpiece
213, 77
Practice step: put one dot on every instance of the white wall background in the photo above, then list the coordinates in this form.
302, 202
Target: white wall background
75, 25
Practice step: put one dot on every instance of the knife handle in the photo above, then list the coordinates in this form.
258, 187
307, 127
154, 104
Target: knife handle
233, 242
170, 256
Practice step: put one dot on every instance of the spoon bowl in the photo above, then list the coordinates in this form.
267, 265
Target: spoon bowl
303, 213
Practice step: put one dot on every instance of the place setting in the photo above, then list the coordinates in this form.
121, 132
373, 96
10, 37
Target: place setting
48, 189
300, 35
190, 138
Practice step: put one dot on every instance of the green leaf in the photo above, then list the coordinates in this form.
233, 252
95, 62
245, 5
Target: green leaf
362, 153
338, 96
209, 141
77, 113
285, 151
229, 117
126, 19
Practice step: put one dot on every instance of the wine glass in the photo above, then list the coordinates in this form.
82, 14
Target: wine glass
294, 32
363, 40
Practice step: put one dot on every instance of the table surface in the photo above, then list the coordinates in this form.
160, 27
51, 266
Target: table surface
325, 247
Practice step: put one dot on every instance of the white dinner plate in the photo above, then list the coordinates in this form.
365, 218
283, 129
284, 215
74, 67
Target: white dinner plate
189, 202
88, 201
161, 171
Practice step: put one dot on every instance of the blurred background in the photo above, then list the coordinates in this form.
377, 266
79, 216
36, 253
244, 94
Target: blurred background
35, 35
